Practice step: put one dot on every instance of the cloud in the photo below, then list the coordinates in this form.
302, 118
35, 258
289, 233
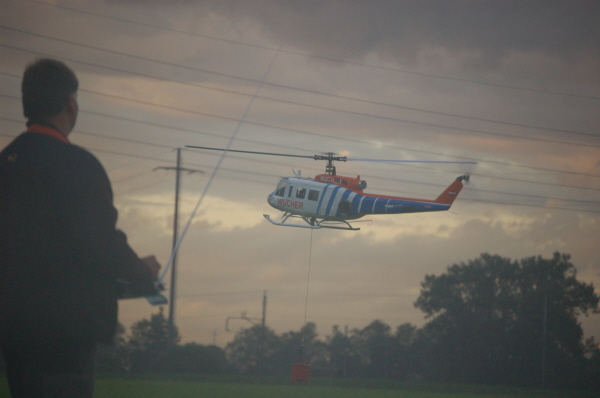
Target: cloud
483, 35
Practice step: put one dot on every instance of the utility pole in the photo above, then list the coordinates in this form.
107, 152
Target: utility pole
264, 317
243, 316
262, 336
544, 340
172, 292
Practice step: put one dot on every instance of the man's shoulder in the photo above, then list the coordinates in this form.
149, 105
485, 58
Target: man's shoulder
77, 150
39, 148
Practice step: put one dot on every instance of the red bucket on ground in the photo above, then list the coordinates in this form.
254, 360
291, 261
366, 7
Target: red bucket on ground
300, 373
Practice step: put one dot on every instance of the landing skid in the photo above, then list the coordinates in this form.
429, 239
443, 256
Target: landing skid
311, 223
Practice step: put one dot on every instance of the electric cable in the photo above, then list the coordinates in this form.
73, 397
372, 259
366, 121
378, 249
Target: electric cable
308, 275
213, 174
308, 55
330, 95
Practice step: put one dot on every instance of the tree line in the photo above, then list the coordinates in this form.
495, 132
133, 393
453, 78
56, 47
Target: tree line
491, 320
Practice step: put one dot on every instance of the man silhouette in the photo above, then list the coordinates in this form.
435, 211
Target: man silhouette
60, 252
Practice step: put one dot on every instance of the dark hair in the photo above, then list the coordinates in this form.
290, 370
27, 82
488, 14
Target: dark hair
46, 88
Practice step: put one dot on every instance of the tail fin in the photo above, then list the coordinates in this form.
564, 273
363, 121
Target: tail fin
447, 197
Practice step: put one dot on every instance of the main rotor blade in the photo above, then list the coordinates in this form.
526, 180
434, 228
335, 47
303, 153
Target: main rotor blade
315, 157
330, 156
409, 161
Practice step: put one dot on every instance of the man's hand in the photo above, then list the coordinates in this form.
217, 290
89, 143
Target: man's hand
153, 265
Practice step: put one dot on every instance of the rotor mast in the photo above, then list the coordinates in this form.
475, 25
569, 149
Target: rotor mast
330, 158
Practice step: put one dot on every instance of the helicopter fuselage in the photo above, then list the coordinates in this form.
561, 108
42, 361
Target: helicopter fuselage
330, 201
342, 198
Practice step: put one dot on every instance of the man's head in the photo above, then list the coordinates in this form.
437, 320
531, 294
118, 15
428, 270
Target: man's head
48, 88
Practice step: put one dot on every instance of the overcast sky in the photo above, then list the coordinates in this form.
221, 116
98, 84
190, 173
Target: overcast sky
513, 85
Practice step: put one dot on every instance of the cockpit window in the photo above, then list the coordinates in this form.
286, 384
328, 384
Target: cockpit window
280, 191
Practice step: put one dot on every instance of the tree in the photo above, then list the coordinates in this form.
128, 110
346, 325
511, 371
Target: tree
405, 363
115, 357
149, 340
343, 356
260, 351
496, 320
252, 350
377, 343
301, 347
192, 358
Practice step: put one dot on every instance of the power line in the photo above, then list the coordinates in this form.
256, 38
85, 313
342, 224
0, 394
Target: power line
308, 55
150, 158
316, 92
297, 131
232, 119
399, 120
345, 138
486, 201
403, 192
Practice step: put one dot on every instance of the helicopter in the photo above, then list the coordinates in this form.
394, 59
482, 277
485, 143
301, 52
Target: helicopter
332, 201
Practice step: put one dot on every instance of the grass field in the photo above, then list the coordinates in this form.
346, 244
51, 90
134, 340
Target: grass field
149, 389
161, 386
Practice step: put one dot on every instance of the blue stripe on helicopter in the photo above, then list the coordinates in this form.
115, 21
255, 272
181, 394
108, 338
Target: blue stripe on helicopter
381, 206
360, 202
356, 199
325, 198
331, 200
367, 204
322, 197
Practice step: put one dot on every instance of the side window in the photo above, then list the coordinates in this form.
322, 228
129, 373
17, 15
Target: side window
313, 195
301, 193
290, 191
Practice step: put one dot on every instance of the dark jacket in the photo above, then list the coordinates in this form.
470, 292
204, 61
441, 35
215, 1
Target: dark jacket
60, 251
